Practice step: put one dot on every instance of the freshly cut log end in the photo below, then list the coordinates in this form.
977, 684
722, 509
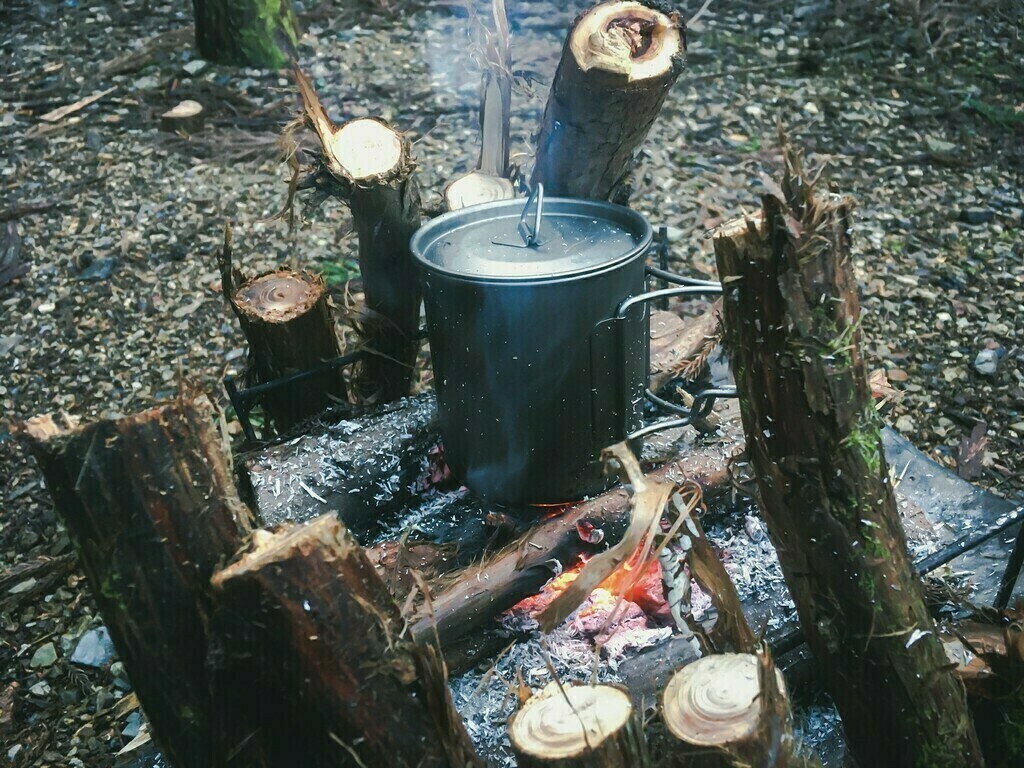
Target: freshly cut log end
279, 296
631, 39
476, 188
618, 64
716, 705
186, 117
578, 725
367, 148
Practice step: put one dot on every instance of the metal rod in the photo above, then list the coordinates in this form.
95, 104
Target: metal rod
1012, 572
672, 277
644, 298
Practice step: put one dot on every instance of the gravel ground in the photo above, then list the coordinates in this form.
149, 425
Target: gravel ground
109, 229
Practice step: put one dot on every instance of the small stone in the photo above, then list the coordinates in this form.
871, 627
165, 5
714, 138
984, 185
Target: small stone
132, 725
100, 269
897, 374
674, 234
976, 216
145, 83
94, 649
987, 361
45, 656
13, 752
93, 140
1018, 427
195, 66
69, 697
905, 424
103, 701
811, 108
42, 688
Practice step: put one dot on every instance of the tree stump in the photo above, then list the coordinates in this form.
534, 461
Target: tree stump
813, 439
578, 726
246, 33
185, 117
311, 633
619, 61
286, 318
476, 188
369, 165
719, 710
150, 505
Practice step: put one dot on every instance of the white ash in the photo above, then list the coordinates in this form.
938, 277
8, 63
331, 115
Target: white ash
747, 553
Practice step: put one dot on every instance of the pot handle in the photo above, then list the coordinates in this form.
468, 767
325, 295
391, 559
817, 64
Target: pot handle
611, 412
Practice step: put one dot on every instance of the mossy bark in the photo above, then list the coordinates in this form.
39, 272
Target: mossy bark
792, 330
246, 33
149, 502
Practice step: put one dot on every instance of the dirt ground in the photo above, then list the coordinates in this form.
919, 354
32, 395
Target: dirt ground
109, 229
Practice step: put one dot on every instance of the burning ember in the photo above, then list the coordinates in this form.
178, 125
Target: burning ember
626, 611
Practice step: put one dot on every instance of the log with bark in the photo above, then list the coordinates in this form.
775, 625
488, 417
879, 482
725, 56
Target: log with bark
369, 165
813, 439
287, 319
312, 635
149, 503
578, 726
246, 33
618, 63
729, 710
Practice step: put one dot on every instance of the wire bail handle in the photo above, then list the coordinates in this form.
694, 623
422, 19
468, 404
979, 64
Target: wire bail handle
531, 237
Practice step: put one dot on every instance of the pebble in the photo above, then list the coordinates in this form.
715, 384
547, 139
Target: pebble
100, 269
976, 216
987, 361
132, 725
195, 66
94, 649
145, 83
905, 424
42, 688
45, 656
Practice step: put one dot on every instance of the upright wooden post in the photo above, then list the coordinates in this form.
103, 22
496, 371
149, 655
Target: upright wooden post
792, 326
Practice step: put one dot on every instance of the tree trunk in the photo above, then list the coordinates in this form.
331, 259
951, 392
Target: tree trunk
314, 637
578, 726
369, 165
791, 323
618, 63
246, 33
149, 503
286, 318
727, 710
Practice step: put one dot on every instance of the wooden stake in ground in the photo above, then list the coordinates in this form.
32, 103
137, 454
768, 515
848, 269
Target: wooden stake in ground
813, 439
185, 117
578, 726
489, 182
729, 709
369, 165
617, 66
150, 505
246, 33
286, 318
311, 632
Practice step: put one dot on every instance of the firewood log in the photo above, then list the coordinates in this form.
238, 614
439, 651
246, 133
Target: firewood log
149, 502
286, 318
617, 65
814, 441
578, 726
729, 710
369, 165
312, 635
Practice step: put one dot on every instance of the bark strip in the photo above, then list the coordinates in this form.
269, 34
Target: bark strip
813, 438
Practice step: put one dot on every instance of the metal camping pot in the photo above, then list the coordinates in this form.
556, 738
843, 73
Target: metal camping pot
538, 327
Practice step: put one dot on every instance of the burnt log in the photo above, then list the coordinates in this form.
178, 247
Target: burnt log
148, 501
286, 317
369, 165
578, 726
618, 63
814, 441
312, 635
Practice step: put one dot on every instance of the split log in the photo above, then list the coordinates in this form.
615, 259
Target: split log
150, 505
369, 165
619, 61
578, 726
729, 710
814, 441
246, 33
314, 637
186, 117
286, 318
481, 592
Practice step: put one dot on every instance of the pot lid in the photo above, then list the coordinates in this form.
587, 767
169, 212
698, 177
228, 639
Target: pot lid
543, 239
